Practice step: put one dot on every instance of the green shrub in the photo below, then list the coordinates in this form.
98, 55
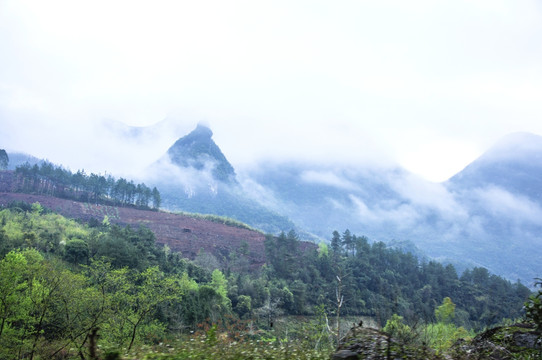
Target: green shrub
533, 306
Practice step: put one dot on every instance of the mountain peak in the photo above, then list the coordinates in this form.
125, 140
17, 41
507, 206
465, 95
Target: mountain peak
518, 145
202, 131
513, 164
199, 151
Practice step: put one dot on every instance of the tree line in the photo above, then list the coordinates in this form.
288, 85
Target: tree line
52, 180
378, 281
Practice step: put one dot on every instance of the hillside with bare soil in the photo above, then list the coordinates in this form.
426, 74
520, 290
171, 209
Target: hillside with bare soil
181, 233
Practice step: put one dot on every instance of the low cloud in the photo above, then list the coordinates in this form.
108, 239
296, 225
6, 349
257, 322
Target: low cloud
428, 195
500, 202
191, 181
260, 193
328, 178
402, 215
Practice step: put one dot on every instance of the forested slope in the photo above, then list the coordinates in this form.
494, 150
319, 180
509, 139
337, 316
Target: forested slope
61, 279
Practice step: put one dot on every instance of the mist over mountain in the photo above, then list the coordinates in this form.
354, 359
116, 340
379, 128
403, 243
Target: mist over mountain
17, 159
513, 164
195, 176
198, 150
488, 215
323, 198
165, 131
491, 208
502, 191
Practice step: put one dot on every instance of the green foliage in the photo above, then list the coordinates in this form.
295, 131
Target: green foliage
45, 302
244, 306
282, 254
61, 279
37, 208
336, 244
136, 303
38, 228
220, 285
76, 251
397, 329
440, 337
445, 312
13, 286
323, 250
533, 306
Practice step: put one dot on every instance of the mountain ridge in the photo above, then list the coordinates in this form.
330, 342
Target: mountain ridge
514, 164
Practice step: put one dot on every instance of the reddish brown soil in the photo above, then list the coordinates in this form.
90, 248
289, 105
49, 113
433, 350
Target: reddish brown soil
181, 233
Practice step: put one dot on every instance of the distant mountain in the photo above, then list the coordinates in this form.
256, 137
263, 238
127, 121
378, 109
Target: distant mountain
488, 215
513, 164
502, 191
195, 176
199, 151
323, 198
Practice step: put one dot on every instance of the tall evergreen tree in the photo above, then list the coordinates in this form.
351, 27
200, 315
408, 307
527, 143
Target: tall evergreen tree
4, 159
336, 242
347, 241
156, 199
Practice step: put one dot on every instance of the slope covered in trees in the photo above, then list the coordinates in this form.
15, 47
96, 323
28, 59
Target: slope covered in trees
62, 279
378, 281
48, 179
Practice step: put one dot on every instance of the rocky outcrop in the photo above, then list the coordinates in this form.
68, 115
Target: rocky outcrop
518, 341
369, 343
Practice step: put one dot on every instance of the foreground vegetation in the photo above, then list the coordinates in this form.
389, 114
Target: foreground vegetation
68, 290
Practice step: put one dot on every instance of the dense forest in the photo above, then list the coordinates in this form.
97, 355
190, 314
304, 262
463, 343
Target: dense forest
49, 179
62, 282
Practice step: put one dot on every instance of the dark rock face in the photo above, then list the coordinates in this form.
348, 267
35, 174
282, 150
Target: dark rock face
529, 340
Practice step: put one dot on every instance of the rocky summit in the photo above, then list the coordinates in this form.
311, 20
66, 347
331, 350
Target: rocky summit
198, 150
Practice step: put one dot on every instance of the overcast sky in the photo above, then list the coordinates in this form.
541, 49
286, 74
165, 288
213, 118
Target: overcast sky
428, 84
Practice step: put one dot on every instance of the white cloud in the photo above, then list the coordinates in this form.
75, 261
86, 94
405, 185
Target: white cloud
400, 215
503, 203
424, 194
328, 178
